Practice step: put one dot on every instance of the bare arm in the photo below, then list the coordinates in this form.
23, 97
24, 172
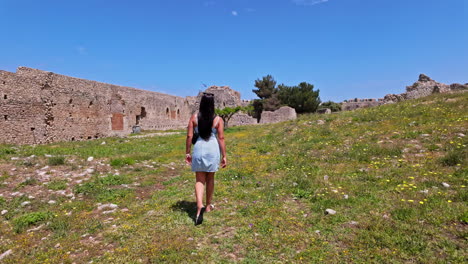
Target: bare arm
188, 142
222, 144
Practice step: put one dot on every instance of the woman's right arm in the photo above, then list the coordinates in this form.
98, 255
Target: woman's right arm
188, 142
222, 144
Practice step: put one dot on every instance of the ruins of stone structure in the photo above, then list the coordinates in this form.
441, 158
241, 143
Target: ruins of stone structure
242, 119
224, 97
356, 103
283, 114
39, 107
423, 87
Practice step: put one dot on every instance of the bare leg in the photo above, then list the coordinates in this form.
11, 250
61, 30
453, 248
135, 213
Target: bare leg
199, 189
209, 189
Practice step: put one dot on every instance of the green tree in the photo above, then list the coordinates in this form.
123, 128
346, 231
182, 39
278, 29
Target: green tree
227, 112
302, 97
257, 106
334, 107
266, 87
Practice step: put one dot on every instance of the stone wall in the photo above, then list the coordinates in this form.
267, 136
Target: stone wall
41, 107
241, 119
356, 103
423, 87
224, 97
283, 114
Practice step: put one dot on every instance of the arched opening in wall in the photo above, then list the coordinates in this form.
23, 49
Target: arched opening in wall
168, 115
5, 117
141, 115
224, 104
5, 96
90, 104
178, 113
70, 101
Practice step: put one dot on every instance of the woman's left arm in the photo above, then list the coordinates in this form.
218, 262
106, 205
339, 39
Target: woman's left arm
222, 144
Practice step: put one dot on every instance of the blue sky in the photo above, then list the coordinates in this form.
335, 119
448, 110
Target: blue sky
346, 48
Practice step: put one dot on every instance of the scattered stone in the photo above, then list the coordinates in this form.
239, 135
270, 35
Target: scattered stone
109, 211
31, 197
353, 223
345, 196
13, 169
14, 158
4, 212
5, 254
446, 185
426, 191
52, 202
47, 155
330, 212
317, 231
25, 203
151, 212
461, 135
125, 210
325, 178
16, 194
103, 143
35, 229
90, 170
425, 135
57, 245
110, 205
320, 122
90, 159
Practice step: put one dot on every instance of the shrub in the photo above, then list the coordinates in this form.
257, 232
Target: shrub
120, 162
57, 185
55, 161
22, 222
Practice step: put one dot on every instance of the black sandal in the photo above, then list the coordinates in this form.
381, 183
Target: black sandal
199, 218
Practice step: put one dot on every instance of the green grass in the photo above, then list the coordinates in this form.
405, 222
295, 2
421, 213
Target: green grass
381, 169
55, 161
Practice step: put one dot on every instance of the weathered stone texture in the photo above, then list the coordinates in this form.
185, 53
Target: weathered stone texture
423, 87
354, 104
326, 111
224, 97
41, 107
283, 114
240, 119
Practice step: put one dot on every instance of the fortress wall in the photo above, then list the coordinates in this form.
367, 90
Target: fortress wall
41, 107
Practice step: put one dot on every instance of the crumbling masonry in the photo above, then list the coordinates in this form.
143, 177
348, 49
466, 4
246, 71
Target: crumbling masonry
38, 107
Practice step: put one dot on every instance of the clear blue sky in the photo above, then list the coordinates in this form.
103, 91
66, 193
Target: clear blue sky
346, 48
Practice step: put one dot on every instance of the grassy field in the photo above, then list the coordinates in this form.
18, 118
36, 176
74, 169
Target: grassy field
396, 175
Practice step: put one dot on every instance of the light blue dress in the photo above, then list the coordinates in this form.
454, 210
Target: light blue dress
206, 154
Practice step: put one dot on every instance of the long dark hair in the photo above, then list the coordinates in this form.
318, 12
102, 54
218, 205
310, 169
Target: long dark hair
206, 115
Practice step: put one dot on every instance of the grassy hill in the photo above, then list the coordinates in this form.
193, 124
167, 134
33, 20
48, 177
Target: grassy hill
396, 175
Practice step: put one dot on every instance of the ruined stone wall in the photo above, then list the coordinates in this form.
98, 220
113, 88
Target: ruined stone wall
224, 97
41, 107
283, 114
241, 119
353, 104
423, 87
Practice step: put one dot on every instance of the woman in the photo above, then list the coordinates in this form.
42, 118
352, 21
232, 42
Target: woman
206, 151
